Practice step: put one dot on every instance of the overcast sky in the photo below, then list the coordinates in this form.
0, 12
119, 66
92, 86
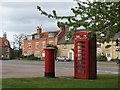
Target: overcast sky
24, 17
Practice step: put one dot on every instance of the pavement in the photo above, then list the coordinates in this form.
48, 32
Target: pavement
23, 69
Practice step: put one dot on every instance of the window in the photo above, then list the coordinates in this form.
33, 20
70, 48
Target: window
7, 49
37, 45
66, 38
98, 45
29, 53
65, 55
51, 35
43, 54
98, 54
51, 42
6, 43
37, 36
43, 44
29, 37
37, 54
7, 56
29, 45
72, 46
108, 55
64, 47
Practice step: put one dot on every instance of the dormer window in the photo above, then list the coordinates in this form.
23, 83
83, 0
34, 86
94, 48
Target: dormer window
6, 43
29, 37
50, 35
37, 36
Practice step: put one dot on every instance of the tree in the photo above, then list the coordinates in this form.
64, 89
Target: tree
18, 43
101, 18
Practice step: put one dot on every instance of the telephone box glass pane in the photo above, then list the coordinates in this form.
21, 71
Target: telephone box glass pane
79, 63
79, 58
83, 58
79, 66
81, 42
79, 54
83, 46
83, 50
79, 50
83, 54
81, 71
79, 47
83, 62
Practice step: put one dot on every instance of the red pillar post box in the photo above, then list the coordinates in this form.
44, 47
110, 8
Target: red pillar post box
85, 56
50, 62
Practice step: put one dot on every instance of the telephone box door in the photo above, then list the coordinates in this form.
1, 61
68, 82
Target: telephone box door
81, 58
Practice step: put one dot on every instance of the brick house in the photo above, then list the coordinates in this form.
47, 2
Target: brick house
4, 47
35, 43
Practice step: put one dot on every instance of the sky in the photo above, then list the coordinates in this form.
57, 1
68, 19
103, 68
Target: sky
19, 17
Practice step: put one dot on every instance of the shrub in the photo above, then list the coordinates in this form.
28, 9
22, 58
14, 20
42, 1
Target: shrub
32, 57
101, 58
43, 58
21, 56
115, 60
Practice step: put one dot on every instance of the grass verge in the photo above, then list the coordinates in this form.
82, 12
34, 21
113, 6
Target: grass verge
103, 81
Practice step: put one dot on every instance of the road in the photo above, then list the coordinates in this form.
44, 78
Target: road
21, 69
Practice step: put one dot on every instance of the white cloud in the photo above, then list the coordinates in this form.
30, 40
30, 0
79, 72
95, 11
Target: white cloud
36, 0
24, 17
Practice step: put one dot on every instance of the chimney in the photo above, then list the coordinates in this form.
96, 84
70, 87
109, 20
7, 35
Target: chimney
62, 28
5, 35
66, 28
38, 29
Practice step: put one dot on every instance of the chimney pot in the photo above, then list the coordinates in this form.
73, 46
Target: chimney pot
62, 28
39, 29
4, 35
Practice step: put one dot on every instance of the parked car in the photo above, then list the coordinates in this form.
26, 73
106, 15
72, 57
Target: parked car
63, 58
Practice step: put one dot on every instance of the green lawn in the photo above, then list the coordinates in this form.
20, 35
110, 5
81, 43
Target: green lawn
103, 81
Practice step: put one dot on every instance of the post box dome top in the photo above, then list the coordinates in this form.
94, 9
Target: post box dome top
49, 48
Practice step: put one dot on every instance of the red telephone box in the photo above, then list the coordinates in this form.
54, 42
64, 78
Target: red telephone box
85, 56
50, 62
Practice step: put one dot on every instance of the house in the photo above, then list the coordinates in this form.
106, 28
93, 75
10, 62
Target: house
68, 49
4, 47
110, 53
35, 43
65, 50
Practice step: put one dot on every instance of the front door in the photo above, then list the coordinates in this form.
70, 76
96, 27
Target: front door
70, 55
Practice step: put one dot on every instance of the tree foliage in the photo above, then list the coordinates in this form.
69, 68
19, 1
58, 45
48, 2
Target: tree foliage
89, 14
